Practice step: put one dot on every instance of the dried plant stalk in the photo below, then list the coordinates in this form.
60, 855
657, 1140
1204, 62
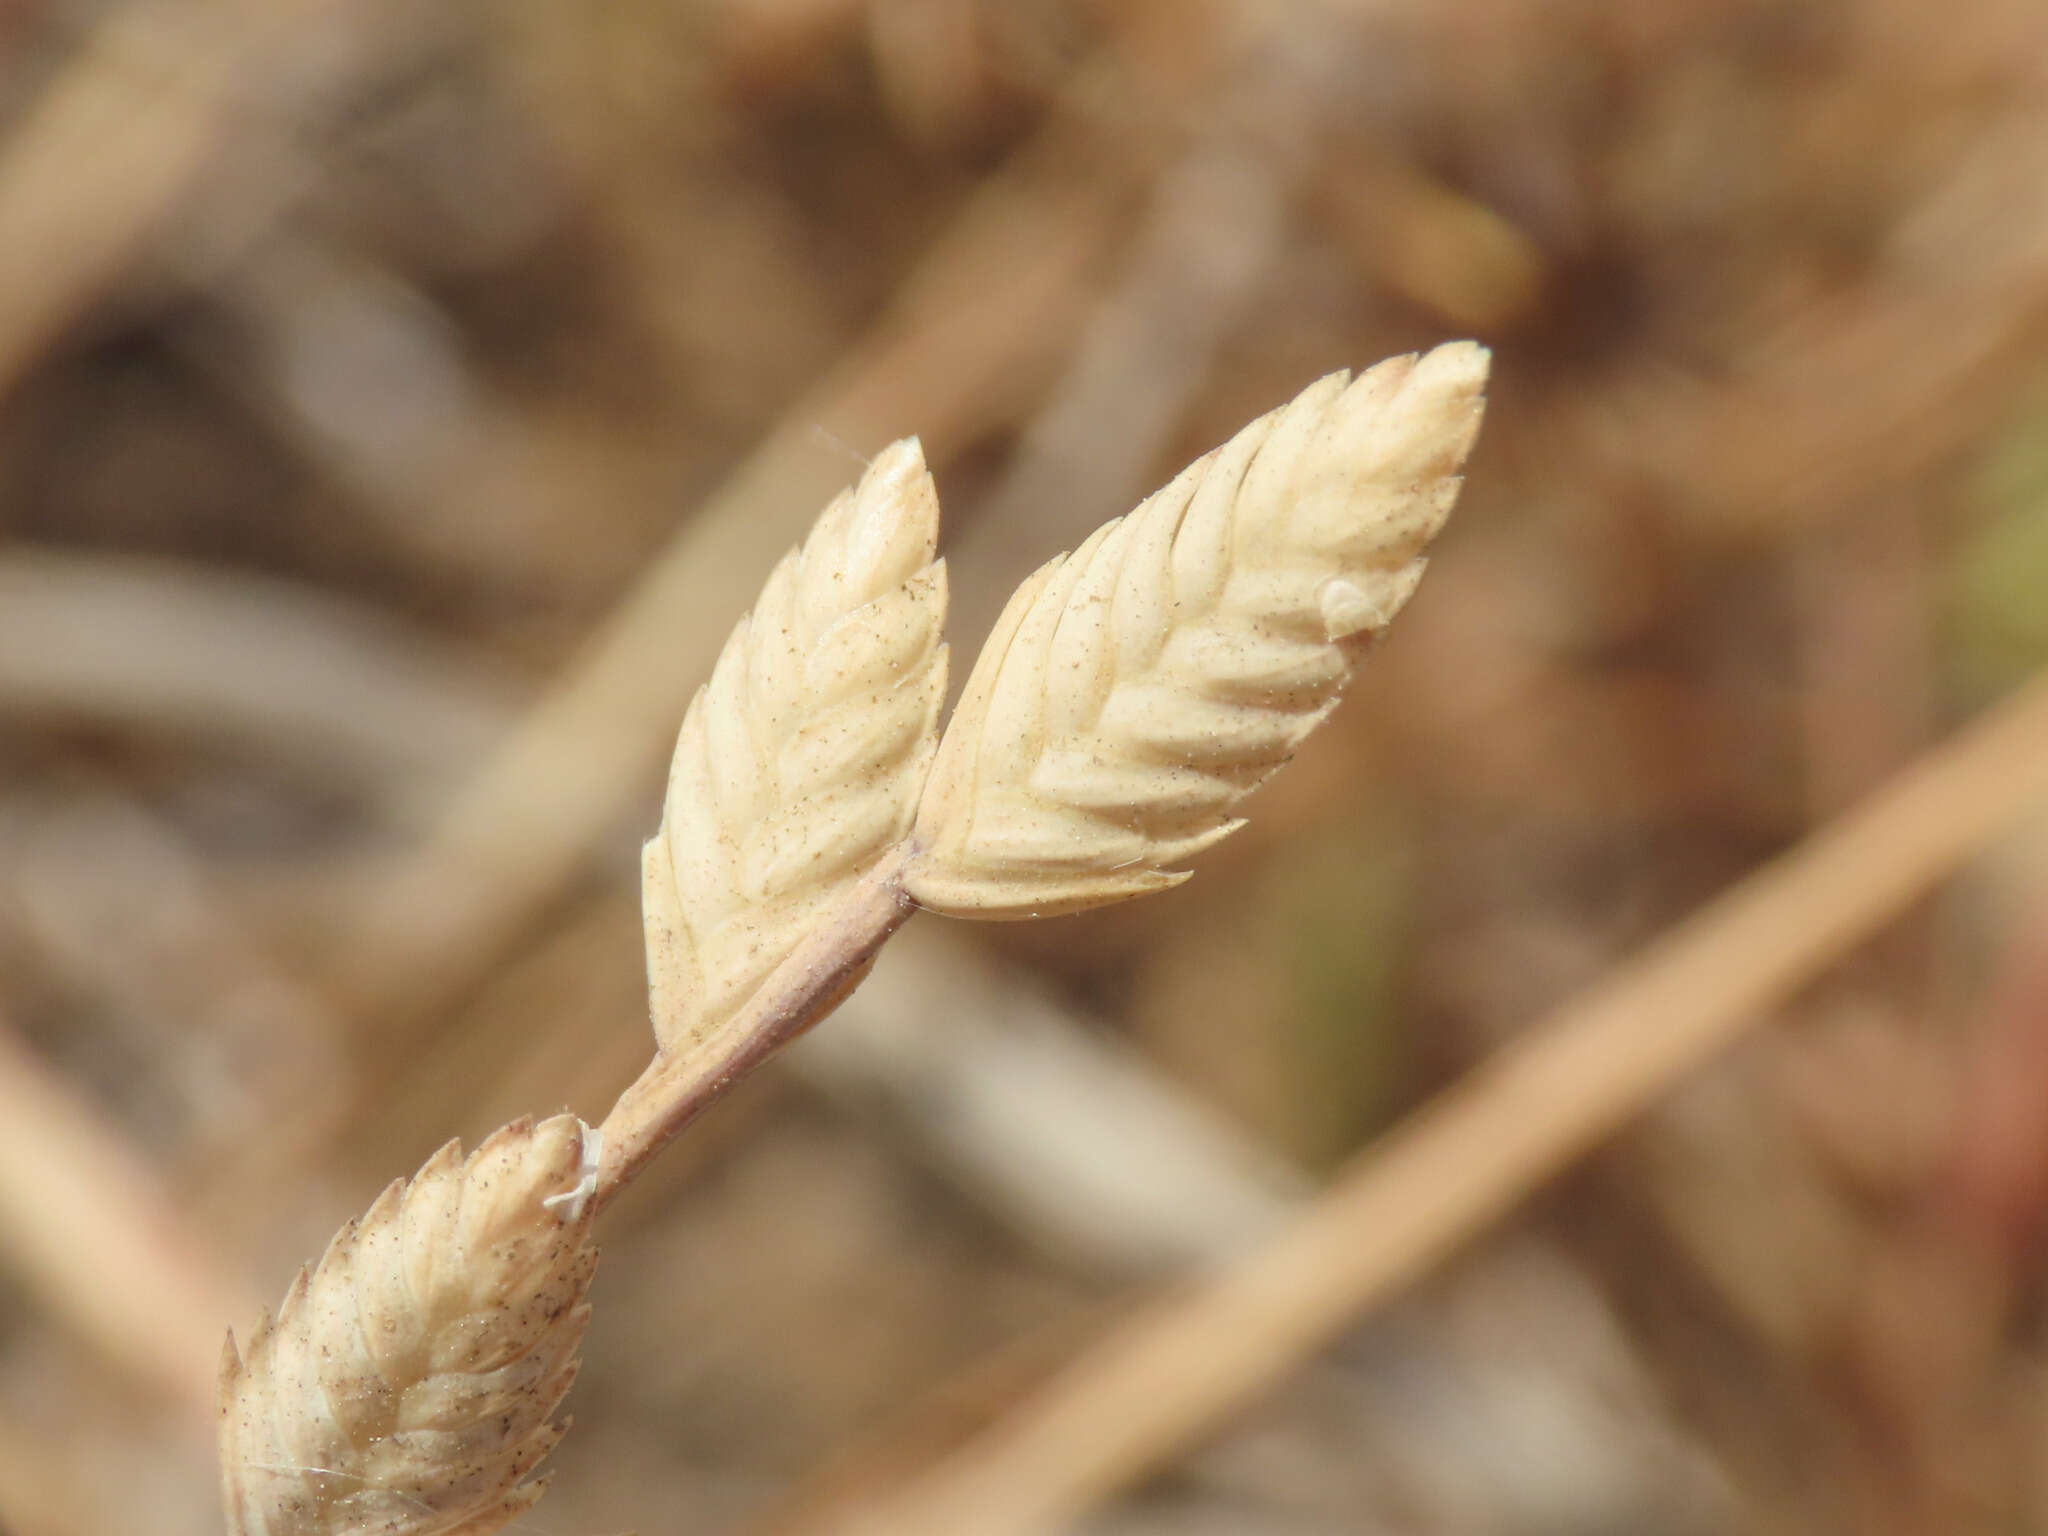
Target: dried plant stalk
800, 763
1135, 691
408, 1383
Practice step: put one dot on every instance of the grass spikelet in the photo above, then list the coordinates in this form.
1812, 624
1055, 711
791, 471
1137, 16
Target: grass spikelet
1135, 691
801, 761
408, 1383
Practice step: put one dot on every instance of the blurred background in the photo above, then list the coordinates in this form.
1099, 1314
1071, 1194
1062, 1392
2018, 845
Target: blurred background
398, 403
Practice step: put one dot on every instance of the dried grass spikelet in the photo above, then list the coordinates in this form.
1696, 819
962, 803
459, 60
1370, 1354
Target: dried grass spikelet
1133, 692
802, 759
408, 1383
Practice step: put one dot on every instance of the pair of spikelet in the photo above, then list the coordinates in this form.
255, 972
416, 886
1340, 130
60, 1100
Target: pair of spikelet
1131, 695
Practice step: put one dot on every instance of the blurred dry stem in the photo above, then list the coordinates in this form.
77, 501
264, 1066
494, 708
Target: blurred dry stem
91, 1227
1572, 1081
269, 668
1043, 1116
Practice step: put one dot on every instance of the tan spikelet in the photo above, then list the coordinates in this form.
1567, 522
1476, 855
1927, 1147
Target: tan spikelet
802, 759
408, 1384
1135, 691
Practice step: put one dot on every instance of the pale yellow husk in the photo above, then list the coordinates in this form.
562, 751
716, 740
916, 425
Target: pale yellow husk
1135, 691
801, 761
408, 1384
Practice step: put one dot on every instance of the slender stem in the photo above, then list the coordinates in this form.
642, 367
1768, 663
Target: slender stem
807, 986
